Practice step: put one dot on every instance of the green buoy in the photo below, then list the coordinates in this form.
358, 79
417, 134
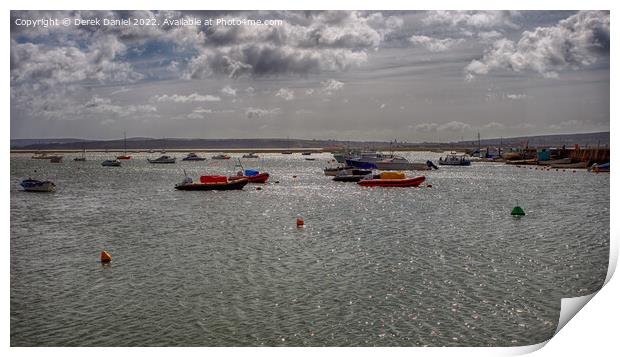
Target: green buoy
517, 211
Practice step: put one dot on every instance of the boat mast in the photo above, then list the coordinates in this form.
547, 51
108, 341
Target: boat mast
124, 142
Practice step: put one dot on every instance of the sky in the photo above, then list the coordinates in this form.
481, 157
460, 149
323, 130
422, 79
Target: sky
349, 75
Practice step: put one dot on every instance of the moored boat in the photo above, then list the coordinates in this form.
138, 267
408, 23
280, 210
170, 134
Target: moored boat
32, 185
455, 160
211, 182
253, 176
599, 168
332, 171
286, 152
164, 159
56, 159
392, 179
220, 157
111, 163
351, 175
306, 153
193, 157
41, 156
250, 155
400, 163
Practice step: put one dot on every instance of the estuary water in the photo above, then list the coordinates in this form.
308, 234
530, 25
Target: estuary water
440, 266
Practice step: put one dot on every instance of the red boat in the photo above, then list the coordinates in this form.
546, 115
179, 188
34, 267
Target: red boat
392, 182
123, 157
252, 176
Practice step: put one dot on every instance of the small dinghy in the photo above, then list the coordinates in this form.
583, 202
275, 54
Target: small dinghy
211, 182
391, 179
193, 157
32, 185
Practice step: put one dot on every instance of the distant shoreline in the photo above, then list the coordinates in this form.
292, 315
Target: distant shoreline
236, 150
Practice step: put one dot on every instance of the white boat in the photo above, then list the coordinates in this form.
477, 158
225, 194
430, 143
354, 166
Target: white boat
32, 185
455, 160
400, 163
164, 159
41, 156
111, 163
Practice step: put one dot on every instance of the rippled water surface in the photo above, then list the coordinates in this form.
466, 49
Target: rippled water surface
440, 266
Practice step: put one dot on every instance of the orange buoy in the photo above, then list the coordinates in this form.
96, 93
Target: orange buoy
105, 257
300, 222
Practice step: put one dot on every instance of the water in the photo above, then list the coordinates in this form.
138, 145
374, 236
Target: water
440, 266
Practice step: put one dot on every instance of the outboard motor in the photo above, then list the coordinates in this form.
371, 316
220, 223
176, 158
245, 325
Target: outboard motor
430, 164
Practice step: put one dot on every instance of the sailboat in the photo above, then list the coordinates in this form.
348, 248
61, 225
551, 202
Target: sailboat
124, 156
83, 158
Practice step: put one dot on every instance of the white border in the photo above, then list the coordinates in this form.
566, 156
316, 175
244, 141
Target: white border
592, 330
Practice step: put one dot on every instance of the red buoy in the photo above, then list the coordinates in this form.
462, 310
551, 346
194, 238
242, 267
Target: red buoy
300, 222
258, 188
294, 176
105, 257
429, 185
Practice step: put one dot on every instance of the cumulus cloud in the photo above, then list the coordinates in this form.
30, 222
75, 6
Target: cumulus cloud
426, 127
494, 125
253, 113
228, 90
331, 85
434, 44
472, 19
575, 42
194, 97
285, 94
330, 40
454, 126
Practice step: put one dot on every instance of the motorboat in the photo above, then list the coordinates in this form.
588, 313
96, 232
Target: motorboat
599, 168
253, 176
32, 185
250, 156
391, 179
286, 152
455, 160
351, 175
400, 163
332, 171
220, 157
193, 157
164, 159
56, 159
41, 156
111, 163
211, 182
306, 153
366, 160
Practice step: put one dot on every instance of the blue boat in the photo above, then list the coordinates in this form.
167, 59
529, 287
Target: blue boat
360, 164
32, 185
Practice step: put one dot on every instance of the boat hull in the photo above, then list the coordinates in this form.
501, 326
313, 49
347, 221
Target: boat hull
407, 182
38, 186
576, 165
162, 161
194, 159
361, 164
349, 178
216, 186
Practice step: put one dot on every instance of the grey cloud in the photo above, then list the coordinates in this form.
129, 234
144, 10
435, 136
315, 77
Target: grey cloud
578, 41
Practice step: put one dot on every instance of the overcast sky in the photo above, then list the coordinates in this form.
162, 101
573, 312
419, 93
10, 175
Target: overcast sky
409, 76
